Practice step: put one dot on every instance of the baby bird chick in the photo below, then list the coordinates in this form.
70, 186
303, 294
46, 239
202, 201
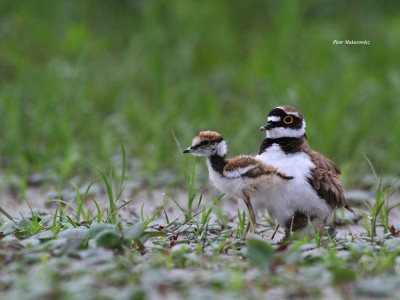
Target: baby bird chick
242, 177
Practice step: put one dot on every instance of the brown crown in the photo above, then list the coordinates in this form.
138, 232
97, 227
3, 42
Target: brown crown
289, 108
212, 136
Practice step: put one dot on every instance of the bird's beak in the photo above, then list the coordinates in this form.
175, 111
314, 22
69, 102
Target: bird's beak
265, 127
188, 150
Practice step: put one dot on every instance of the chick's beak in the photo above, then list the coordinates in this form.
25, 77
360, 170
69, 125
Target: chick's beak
188, 150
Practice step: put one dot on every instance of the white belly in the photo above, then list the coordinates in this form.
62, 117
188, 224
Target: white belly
297, 194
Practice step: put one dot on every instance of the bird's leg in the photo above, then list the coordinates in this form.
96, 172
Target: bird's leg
275, 231
252, 216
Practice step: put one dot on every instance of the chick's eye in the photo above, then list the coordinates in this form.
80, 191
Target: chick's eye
206, 143
288, 120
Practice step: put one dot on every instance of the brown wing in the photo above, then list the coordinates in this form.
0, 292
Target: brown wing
328, 187
326, 181
322, 162
247, 166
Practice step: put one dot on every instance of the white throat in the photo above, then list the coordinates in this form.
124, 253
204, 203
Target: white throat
222, 149
281, 132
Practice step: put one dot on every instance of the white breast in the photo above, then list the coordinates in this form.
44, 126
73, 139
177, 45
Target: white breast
230, 187
297, 194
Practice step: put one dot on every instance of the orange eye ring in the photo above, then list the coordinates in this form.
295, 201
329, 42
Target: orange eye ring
288, 120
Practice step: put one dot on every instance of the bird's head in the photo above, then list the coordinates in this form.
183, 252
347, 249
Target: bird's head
284, 121
207, 143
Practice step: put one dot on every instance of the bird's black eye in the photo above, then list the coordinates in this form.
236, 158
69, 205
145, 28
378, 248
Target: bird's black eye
288, 120
206, 143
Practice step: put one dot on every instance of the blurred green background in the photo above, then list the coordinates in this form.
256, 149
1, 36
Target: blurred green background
79, 77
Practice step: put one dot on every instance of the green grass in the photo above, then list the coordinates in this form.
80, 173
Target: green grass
80, 77
197, 254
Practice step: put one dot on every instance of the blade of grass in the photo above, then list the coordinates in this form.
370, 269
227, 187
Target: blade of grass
71, 221
123, 173
80, 198
111, 215
151, 219
5, 213
99, 212
166, 216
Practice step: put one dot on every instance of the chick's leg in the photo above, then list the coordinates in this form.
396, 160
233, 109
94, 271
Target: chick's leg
252, 216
